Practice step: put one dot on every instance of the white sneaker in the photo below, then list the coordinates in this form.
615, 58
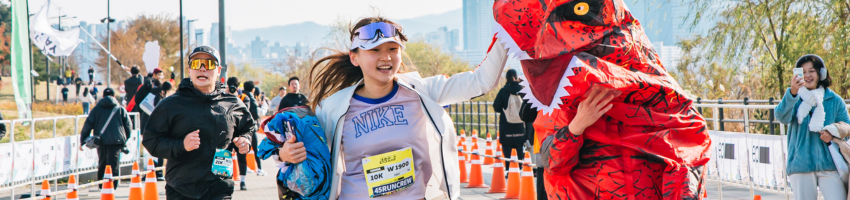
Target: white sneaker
249, 171
261, 173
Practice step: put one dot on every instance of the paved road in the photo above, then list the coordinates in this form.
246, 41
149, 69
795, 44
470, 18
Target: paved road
263, 187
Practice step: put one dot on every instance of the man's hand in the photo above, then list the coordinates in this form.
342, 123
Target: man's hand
825, 136
192, 141
244, 144
591, 109
81, 147
292, 152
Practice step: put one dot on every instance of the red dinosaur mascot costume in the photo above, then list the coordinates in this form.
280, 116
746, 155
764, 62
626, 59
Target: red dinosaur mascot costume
652, 144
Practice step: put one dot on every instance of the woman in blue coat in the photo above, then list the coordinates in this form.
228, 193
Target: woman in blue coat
809, 106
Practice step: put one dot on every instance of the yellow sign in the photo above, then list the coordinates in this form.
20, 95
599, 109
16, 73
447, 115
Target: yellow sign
389, 172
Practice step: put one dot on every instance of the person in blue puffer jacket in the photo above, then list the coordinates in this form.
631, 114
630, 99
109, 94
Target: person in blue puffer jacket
298, 127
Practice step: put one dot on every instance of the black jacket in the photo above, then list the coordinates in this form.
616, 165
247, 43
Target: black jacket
528, 115
157, 92
292, 100
219, 116
131, 85
2, 128
118, 130
511, 134
141, 94
252, 105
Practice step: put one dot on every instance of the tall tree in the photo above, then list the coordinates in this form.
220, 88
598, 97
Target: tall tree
769, 35
128, 44
5, 38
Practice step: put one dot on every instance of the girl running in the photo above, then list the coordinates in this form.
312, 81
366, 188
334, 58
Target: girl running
379, 120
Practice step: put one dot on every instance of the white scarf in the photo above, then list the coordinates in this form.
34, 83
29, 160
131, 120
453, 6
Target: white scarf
811, 99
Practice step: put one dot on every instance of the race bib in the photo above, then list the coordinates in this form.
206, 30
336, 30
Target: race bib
223, 163
389, 172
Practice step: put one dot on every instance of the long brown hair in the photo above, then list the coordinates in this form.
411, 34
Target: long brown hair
336, 72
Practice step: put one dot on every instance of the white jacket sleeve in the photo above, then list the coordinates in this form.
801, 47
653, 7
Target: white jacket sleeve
467, 85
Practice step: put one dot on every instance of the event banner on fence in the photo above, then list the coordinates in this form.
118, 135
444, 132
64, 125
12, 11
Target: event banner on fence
20, 161
133, 147
45, 160
739, 157
5, 163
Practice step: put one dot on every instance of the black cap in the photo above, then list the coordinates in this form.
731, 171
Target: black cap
205, 49
108, 92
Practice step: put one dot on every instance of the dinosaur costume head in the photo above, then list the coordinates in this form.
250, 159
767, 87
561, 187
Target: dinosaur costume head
568, 46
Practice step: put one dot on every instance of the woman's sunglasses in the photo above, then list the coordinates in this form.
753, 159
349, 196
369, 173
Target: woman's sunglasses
209, 64
371, 31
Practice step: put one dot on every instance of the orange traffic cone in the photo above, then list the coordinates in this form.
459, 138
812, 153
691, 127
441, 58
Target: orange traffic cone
150, 166
45, 189
465, 144
72, 195
499, 148
473, 140
497, 183
527, 191
475, 177
513, 178
136, 188
252, 162
461, 164
235, 167
757, 197
151, 190
107, 192
135, 169
72, 182
488, 160
107, 174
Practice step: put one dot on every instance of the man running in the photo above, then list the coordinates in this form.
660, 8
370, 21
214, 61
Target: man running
294, 98
194, 127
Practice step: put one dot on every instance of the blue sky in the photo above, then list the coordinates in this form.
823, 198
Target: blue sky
245, 14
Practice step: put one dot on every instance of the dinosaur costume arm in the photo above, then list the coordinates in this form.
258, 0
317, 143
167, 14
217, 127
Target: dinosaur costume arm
566, 145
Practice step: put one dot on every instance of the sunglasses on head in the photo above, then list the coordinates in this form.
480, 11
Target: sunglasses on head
371, 31
209, 64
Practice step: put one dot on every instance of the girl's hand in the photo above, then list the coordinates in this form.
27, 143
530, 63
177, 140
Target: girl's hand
292, 152
796, 84
591, 109
825, 136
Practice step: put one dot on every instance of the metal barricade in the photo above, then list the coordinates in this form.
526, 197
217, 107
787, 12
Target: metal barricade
54, 175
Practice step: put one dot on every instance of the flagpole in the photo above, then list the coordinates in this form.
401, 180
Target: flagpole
108, 43
32, 184
222, 41
181, 41
32, 79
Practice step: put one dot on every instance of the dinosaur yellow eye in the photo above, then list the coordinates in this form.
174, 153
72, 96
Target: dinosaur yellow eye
581, 9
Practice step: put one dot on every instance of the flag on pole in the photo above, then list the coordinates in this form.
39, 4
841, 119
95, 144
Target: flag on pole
51, 41
21, 68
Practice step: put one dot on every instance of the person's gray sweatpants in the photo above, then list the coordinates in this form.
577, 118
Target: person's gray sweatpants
805, 185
